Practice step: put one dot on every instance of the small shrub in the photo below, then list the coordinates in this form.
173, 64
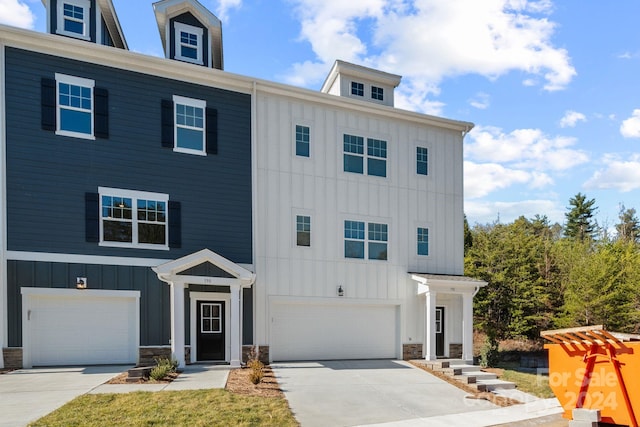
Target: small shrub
159, 372
489, 353
256, 366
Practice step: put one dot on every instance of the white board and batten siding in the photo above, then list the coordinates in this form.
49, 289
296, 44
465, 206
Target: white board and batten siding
288, 185
80, 327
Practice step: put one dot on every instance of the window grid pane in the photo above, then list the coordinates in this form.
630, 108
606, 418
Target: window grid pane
302, 141
423, 241
135, 221
378, 232
189, 127
422, 157
377, 93
303, 230
357, 89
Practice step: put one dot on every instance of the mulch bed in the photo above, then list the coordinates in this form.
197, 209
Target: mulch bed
501, 401
238, 382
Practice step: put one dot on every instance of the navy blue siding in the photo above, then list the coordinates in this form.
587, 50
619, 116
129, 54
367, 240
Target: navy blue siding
189, 19
154, 294
49, 175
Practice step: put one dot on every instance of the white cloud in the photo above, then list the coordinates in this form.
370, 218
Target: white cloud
483, 212
483, 179
523, 149
621, 175
16, 13
630, 127
429, 40
571, 118
481, 101
224, 6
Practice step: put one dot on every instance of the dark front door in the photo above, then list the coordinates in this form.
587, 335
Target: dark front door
440, 331
210, 335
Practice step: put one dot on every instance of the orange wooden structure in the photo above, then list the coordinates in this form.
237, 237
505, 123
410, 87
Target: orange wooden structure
592, 368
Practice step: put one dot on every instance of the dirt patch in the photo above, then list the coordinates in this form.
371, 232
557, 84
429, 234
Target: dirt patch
5, 371
473, 393
122, 379
239, 383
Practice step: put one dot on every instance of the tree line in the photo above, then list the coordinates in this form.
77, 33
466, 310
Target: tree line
546, 276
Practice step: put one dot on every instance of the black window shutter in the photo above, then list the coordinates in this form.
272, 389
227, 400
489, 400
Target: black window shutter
91, 215
175, 225
101, 115
212, 131
48, 101
167, 123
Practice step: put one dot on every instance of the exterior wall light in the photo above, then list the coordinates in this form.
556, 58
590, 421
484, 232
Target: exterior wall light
81, 283
340, 291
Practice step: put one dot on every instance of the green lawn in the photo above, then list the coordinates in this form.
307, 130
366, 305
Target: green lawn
537, 385
171, 408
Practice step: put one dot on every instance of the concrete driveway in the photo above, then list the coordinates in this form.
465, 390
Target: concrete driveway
349, 393
28, 394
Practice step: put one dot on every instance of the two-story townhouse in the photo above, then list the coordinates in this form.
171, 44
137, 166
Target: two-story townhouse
162, 206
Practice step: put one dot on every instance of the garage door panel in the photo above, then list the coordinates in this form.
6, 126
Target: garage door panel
324, 332
81, 329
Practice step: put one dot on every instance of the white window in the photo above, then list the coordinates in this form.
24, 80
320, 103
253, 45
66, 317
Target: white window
188, 43
73, 18
303, 230
373, 239
189, 125
74, 104
133, 219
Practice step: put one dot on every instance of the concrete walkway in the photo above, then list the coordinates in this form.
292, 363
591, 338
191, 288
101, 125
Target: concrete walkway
390, 393
29, 394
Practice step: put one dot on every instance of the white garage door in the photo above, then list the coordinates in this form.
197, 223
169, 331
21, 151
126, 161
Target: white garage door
80, 327
325, 332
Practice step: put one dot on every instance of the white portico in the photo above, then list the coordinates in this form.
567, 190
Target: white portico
438, 290
215, 315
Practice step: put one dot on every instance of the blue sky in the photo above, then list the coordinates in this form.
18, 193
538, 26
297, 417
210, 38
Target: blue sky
552, 86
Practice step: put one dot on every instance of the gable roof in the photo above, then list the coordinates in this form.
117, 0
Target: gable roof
111, 21
167, 9
175, 267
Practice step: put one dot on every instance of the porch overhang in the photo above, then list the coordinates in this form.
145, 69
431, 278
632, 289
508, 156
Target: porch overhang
430, 285
446, 283
236, 278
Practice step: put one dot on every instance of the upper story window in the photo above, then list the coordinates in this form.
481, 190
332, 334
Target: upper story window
377, 93
74, 106
303, 230
357, 89
373, 242
73, 18
190, 125
354, 155
302, 141
188, 43
422, 161
133, 219
423, 241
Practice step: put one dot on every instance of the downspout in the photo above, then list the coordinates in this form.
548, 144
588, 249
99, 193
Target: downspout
254, 209
3, 209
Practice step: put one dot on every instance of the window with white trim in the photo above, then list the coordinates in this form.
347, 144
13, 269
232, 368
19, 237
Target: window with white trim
74, 18
189, 125
357, 89
371, 244
303, 230
422, 161
423, 241
302, 141
133, 219
377, 93
188, 43
354, 155
74, 105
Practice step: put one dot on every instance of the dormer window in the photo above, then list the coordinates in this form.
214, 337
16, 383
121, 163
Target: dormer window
188, 43
377, 93
357, 89
73, 18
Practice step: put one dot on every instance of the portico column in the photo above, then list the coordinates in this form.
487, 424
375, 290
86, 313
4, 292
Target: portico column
430, 326
177, 322
235, 325
467, 327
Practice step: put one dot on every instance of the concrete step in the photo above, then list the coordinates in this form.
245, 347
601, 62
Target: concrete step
490, 385
480, 375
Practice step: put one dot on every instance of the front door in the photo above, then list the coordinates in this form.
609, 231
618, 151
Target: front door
210, 334
440, 331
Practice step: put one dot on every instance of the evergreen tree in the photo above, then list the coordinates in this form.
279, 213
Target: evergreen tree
580, 224
468, 237
629, 227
